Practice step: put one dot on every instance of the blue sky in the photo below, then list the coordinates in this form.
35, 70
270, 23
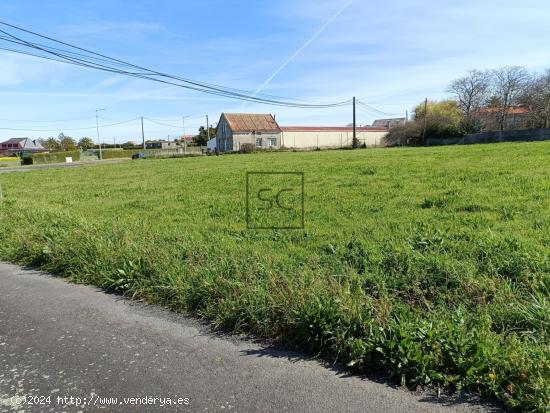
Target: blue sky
390, 54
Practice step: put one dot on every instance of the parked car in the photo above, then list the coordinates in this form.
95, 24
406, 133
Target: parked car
139, 155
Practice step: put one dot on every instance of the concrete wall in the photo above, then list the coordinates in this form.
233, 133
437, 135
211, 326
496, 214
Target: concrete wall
250, 138
527, 135
329, 139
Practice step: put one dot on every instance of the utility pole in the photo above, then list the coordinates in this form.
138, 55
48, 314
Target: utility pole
207, 130
407, 116
142, 133
354, 142
184, 140
97, 129
425, 121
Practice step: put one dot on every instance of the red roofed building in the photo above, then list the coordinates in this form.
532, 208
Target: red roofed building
236, 129
515, 117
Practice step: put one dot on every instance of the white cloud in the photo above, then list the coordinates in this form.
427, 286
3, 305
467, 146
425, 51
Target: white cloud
18, 70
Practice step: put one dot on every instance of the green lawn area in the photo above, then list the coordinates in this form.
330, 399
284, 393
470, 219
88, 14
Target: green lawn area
430, 264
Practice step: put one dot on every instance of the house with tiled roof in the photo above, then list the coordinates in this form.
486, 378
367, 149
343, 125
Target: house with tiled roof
17, 145
236, 129
515, 117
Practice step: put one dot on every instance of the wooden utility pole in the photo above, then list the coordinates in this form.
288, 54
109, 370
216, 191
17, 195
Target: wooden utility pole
354, 141
184, 140
142, 133
425, 121
207, 130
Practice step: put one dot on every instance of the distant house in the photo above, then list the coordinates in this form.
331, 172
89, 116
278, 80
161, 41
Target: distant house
516, 117
161, 145
388, 123
236, 129
187, 138
17, 145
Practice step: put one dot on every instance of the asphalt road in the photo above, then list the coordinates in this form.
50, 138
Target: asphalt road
59, 340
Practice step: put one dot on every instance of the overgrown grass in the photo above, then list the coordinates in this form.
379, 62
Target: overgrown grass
431, 264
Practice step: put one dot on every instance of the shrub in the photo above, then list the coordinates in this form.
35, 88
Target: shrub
247, 148
53, 157
407, 134
119, 154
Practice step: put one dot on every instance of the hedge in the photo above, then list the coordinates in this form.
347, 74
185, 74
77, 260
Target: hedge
53, 157
119, 154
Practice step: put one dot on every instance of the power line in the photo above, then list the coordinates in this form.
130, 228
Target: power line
368, 108
162, 123
102, 62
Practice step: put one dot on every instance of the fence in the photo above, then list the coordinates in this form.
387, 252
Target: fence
526, 135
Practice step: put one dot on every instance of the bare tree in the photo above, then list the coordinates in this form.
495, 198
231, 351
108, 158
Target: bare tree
536, 96
507, 85
471, 91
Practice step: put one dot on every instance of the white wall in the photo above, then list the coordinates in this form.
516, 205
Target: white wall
329, 139
211, 144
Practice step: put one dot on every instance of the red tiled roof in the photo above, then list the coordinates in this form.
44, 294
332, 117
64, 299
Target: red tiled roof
511, 111
248, 122
331, 129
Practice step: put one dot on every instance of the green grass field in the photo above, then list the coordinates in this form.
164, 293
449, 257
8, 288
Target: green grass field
429, 264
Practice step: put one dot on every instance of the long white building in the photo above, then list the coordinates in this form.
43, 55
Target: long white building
306, 137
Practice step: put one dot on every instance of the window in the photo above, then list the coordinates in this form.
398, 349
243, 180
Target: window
258, 142
272, 142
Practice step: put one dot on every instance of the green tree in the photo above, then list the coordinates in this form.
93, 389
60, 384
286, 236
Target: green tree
67, 143
202, 137
442, 118
51, 144
85, 143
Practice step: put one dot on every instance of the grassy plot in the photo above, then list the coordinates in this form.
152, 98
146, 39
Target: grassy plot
431, 264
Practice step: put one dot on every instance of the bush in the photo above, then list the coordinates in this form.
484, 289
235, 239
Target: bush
247, 148
407, 134
119, 154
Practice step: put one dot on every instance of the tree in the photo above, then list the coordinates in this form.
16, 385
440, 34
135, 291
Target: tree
85, 143
536, 97
471, 91
50, 144
507, 85
67, 143
202, 137
443, 118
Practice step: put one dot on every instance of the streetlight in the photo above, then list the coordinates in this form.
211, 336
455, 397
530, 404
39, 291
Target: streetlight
97, 128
